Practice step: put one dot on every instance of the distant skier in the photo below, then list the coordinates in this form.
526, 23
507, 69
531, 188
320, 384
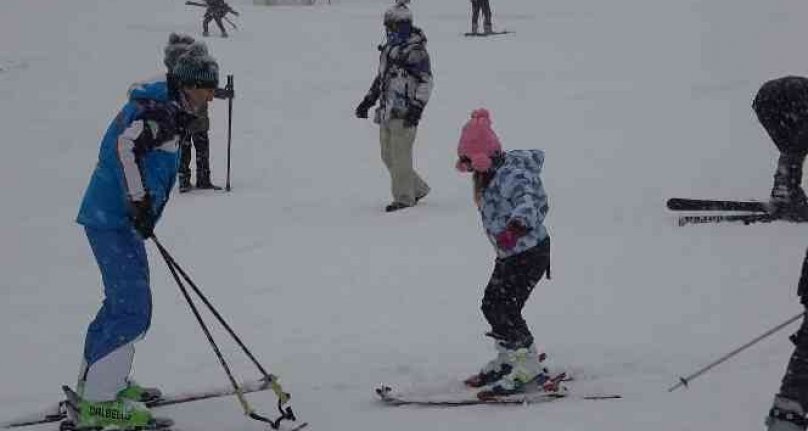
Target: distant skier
511, 199
217, 11
483, 6
402, 87
781, 106
125, 198
788, 412
196, 137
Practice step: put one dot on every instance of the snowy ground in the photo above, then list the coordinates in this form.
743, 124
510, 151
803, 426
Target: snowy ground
633, 102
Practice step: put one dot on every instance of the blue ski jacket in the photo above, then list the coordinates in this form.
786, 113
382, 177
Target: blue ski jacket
139, 155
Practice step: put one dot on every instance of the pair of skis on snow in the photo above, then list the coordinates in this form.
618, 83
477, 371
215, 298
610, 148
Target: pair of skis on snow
62, 411
457, 394
746, 212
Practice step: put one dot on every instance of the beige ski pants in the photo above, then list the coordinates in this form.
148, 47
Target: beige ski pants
396, 145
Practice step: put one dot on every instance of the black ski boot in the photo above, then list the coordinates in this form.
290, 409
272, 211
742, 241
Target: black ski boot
203, 181
185, 183
786, 415
788, 199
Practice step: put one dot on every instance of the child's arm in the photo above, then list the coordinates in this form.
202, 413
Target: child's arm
529, 200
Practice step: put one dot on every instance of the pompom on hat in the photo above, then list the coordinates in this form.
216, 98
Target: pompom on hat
399, 12
478, 143
178, 44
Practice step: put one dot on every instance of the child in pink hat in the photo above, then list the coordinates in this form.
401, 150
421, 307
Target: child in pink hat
512, 203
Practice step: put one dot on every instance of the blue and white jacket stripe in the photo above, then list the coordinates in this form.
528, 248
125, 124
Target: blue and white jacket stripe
139, 154
516, 193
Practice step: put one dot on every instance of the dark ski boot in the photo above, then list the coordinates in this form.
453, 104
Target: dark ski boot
786, 415
788, 199
203, 181
185, 183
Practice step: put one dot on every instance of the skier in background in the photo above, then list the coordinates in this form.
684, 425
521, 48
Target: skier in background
512, 202
125, 198
217, 11
485, 7
781, 106
402, 87
196, 136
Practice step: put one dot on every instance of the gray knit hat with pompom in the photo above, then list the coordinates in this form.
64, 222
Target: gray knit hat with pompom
178, 43
196, 68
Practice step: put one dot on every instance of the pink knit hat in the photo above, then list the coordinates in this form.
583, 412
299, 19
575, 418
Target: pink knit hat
478, 143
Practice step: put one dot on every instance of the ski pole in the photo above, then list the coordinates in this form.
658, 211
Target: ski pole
283, 397
684, 381
229, 125
231, 23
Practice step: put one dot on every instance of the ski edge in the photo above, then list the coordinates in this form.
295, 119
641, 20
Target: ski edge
746, 219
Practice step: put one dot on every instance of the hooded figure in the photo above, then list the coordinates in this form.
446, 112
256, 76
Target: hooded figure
402, 88
512, 202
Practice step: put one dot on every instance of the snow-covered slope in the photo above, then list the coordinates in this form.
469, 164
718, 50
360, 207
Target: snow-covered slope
633, 102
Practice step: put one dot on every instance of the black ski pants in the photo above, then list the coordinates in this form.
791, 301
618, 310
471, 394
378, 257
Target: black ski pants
795, 381
781, 106
485, 7
213, 17
201, 144
510, 286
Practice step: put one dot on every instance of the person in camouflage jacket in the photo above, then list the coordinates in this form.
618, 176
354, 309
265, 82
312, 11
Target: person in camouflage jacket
402, 88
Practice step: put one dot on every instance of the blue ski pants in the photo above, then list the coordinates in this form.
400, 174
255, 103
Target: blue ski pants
126, 311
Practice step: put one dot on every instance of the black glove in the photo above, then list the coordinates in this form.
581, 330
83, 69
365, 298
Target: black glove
364, 106
142, 217
413, 115
223, 93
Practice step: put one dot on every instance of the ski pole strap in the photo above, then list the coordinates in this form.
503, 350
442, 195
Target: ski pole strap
283, 397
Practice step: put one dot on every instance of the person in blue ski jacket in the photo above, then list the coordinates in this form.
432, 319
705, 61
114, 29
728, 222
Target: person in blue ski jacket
126, 196
512, 202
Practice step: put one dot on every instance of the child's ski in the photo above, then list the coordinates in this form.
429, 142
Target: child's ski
460, 395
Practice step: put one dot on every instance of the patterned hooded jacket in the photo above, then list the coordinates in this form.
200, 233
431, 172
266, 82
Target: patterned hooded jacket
516, 193
404, 78
139, 155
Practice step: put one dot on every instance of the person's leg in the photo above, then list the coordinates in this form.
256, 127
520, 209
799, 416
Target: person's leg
205, 22
125, 314
510, 287
781, 106
475, 15
486, 9
511, 284
221, 26
185, 162
202, 147
402, 173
